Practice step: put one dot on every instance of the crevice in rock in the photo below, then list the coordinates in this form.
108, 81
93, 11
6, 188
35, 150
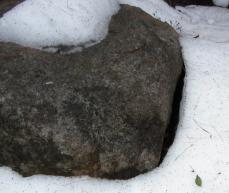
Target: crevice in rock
174, 119
189, 2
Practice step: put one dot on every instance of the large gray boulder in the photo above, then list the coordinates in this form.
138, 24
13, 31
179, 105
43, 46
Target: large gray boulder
99, 112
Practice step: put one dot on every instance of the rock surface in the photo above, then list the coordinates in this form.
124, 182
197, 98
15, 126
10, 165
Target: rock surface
6, 5
99, 112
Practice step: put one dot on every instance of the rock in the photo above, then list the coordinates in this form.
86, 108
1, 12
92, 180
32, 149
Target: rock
100, 112
6, 5
189, 2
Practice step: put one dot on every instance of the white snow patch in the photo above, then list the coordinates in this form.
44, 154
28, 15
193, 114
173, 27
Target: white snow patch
221, 3
201, 146
209, 23
158, 9
44, 23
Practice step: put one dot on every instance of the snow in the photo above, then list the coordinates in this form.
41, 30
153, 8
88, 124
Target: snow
222, 3
201, 146
158, 9
45, 23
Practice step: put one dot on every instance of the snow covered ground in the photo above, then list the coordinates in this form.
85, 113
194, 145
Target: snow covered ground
201, 145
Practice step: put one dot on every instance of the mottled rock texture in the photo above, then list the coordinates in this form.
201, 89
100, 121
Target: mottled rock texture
99, 112
6, 5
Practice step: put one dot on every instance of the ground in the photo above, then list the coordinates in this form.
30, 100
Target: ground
201, 145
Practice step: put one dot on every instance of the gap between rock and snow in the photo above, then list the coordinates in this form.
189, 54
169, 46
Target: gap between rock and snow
201, 146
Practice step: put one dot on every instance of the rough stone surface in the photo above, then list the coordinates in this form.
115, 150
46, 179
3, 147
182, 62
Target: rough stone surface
98, 112
6, 5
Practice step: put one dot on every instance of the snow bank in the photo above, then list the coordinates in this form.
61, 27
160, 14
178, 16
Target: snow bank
201, 145
221, 3
206, 23
44, 23
158, 9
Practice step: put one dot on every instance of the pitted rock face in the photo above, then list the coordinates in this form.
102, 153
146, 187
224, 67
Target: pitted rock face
98, 112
